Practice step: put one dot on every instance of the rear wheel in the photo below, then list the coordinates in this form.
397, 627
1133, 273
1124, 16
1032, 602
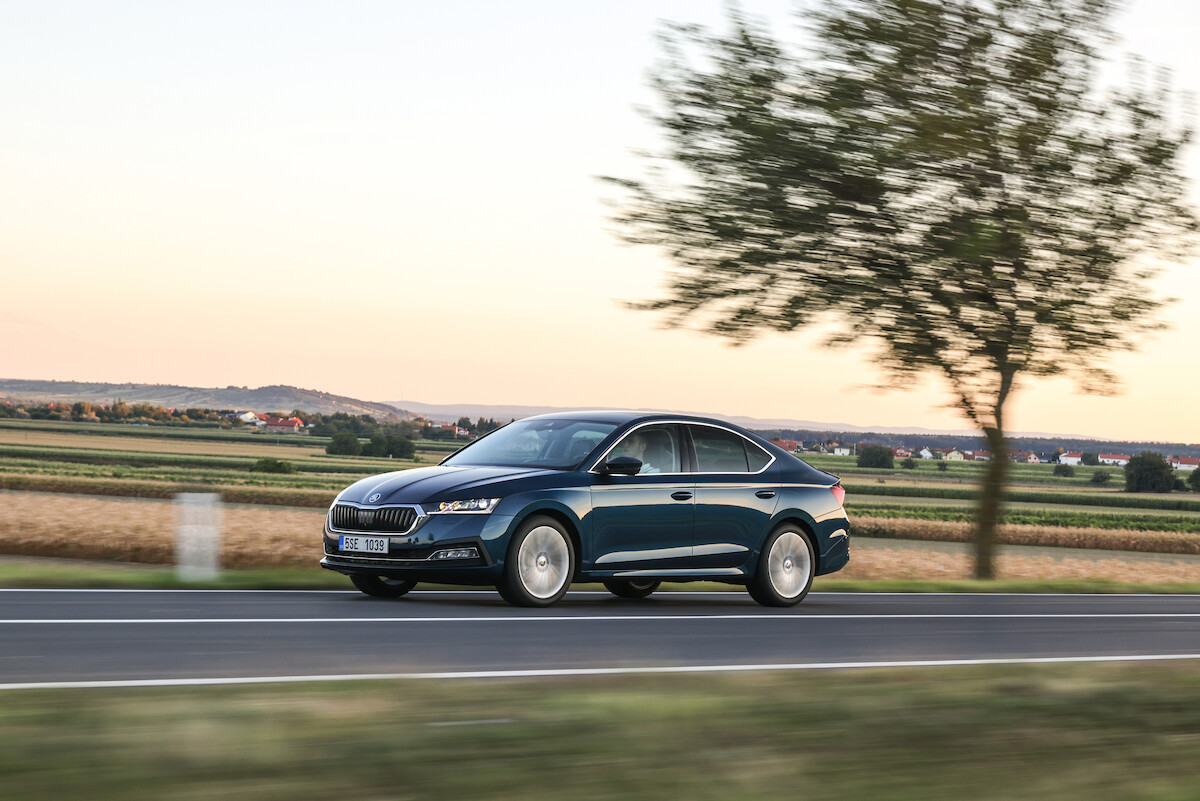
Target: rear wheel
631, 589
540, 564
382, 586
786, 568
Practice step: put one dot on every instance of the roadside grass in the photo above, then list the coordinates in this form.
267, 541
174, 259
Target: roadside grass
997, 733
68, 574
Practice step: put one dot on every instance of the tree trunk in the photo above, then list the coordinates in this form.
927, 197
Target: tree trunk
990, 504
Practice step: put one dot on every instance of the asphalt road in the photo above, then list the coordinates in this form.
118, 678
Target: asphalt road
168, 637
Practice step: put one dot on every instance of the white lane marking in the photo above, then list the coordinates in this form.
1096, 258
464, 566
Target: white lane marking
557, 618
663, 593
609, 671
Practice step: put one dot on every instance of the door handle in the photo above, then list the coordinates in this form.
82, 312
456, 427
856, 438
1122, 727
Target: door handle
764, 494
681, 496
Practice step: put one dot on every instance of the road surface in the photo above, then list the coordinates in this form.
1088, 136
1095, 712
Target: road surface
102, 637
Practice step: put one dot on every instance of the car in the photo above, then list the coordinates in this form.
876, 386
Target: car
628, 499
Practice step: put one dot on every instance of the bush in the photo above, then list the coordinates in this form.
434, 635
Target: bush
1149, 472
390, 446
877, 456
909, 464
1101, 477
1193, 481
269, 465
1090, 459
344, 443
1064, 470
943, 467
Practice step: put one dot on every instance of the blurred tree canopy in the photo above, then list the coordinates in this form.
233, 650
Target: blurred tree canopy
1149, 472
942, 179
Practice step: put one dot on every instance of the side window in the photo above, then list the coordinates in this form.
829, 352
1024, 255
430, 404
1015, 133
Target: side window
718, 451
756, 456
656, 447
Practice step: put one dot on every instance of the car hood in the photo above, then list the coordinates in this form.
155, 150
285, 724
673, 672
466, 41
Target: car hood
428, 484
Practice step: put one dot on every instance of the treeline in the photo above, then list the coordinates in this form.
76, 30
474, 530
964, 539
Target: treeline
119, 412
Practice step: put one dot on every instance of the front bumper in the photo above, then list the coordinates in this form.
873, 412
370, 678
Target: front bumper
411, 555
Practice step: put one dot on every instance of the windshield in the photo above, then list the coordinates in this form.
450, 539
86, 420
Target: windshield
555, 444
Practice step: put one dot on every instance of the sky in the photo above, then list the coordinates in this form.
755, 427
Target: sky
399, 200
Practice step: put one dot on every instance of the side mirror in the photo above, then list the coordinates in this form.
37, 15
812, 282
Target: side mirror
622, 466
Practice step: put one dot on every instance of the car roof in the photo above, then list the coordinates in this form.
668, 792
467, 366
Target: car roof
623, 416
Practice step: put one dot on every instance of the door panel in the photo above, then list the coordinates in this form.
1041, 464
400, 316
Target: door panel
733, 506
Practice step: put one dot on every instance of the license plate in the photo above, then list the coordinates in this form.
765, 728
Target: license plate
376, 545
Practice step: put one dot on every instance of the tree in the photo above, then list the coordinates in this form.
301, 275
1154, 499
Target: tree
1091, 459
943, 467
909, 464
1193, 481
938, 179
344, 443
876, 456
1101, 477
1064, 470
1149, 472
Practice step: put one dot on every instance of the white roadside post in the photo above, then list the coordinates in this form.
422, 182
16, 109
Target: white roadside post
198, 536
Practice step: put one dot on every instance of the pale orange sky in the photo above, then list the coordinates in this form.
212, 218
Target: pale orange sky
396, 201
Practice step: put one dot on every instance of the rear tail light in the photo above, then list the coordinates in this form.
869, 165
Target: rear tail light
839, 493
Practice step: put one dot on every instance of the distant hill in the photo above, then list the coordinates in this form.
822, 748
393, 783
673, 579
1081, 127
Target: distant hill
276, 398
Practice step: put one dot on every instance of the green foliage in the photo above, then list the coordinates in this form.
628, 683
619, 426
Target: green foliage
1064, 470
389, 446
344, 444
876, 456
909, 464
1149, 472
1090, 459
941, 177
1193, 481
271, 465
1101, 477
942, 466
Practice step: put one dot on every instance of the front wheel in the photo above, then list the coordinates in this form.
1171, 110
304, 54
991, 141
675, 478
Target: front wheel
540, 563
631, 589
382, 586
786, 568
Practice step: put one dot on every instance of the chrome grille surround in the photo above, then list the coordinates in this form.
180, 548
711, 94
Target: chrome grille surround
393, 519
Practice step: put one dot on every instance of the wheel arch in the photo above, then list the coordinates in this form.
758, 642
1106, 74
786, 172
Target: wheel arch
561, 516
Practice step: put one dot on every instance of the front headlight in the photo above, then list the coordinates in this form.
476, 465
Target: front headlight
476, 505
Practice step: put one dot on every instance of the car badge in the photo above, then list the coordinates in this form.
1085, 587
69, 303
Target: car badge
375, 497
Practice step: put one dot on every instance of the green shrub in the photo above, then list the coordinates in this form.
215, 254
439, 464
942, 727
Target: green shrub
877, 456
943, 467
1194, 481
1101, 477
344, 443
909, 464
1149, 472
269, 465
1064, 470
1090, 459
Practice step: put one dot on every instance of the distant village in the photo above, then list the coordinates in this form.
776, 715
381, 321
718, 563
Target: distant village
1058, 456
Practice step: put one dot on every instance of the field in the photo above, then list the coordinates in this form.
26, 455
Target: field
1004, 733
96, 492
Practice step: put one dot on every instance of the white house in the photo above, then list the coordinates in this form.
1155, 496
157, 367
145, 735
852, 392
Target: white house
1118, 459
841, 450
1071, 457
925, 453
1184, 462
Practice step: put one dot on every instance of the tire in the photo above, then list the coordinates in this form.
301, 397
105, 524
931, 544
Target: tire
631, 589
786, 567
381, 586
539, 565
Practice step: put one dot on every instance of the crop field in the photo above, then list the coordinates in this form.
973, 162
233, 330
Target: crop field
96, 492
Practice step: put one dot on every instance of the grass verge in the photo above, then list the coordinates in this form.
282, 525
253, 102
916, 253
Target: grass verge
993, 734
61, 573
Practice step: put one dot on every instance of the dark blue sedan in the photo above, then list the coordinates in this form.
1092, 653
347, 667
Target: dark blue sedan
628, 499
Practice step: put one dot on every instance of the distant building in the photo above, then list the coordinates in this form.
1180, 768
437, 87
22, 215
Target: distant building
1118, 459
1071, 458
1032, 458
789, 445
954, 456
1184, 462
901, 452
841, 450
458, 432
925, 453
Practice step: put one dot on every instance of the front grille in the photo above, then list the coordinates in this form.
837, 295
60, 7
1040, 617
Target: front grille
395, 519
